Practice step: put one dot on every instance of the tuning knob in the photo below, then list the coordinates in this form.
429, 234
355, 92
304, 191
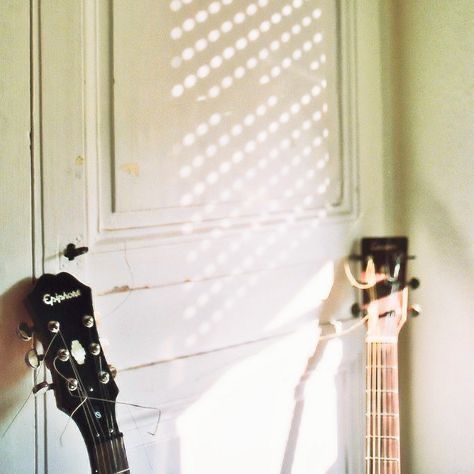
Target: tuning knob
33, 359
414, 310
24, 332
72, 384
42, 387
53, 326
113, 371
356, 310
104, 377
414, 283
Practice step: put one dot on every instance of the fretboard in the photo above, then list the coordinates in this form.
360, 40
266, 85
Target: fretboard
382, 445
109, 457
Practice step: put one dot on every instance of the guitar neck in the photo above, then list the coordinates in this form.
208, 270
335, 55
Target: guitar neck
109, 457
382, 446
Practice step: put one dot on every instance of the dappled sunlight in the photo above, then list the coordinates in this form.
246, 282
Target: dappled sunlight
236, 135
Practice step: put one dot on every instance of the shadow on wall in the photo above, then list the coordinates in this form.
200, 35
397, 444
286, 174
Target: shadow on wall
13, 370
327, 418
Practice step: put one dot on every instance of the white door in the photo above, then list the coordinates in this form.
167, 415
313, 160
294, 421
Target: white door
16, 257
206, 153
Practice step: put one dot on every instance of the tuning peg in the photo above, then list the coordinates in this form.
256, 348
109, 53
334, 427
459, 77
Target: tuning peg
113, 370
24, 332
414, 283
42, 387
356, 310
33, 359
414, 310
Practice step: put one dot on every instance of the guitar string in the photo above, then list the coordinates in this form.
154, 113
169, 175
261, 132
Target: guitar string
104, 390
372, 291
135, 405
397, 408
36, 370
87, 406
82, 398
369, 272
81, 386
383, 439
368, 406
395, 290
83, 401
107, 413
374, 403
379, 403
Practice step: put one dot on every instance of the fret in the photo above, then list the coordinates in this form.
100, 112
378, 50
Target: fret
383, 437
109, 457
389, 340
377, 458
382, 390
382, 427
392, 367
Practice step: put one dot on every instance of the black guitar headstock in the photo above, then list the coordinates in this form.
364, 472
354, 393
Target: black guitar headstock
384, 285
64, 323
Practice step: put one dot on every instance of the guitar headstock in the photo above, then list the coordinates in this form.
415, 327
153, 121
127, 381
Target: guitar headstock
64, 323
385, 298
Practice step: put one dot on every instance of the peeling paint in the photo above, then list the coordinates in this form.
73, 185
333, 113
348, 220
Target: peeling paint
79, 166
133, 169
118, 289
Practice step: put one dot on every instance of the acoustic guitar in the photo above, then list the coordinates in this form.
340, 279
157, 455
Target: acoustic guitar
385, 305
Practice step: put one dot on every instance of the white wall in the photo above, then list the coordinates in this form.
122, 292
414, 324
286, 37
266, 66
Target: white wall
433, 147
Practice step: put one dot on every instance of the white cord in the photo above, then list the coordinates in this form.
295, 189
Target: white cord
345, 331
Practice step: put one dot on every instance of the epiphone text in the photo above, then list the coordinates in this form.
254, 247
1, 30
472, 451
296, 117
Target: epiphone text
59, 298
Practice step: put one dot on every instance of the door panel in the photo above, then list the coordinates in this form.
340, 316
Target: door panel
230, 107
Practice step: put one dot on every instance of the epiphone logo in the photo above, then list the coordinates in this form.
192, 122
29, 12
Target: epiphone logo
59, 298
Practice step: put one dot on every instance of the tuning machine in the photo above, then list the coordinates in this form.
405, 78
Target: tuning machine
24, 332
33, 359
414, 310
113, 371
42, 387
357, 311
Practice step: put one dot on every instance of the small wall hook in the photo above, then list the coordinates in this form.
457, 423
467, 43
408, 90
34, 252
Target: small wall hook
71, 251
